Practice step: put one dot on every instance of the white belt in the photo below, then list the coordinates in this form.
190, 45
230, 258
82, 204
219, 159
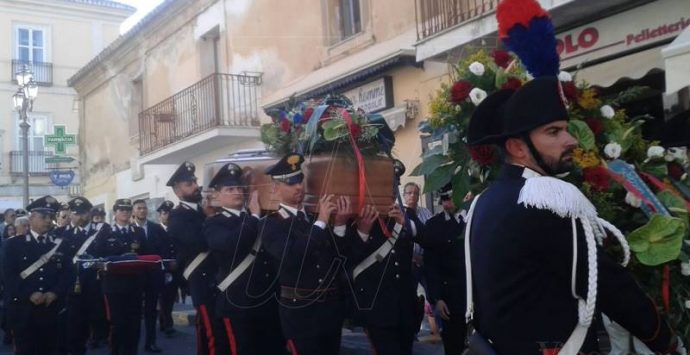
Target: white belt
194, 264
379, 254
242, 267
40, 262
85, 246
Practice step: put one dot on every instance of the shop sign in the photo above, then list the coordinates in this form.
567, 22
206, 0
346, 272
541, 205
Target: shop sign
640, 27
61, 177
373, 96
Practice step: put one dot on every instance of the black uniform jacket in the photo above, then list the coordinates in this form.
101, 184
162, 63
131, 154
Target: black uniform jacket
306, 258
231, 238
75, 237
522, 263
385, 294
54, 276
444, 262
117, 241
185, 229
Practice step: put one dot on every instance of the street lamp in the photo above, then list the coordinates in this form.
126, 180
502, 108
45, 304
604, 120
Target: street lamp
23, 101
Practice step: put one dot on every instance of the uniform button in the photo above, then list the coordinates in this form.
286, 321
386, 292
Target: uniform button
450, 241
265, 262
397, 276
393, 251
203, 274
25, 258
396, 263
361, 290
40, 279
320, 280
41, 269
318, 266
267, 275
40, 288
294, 300
445, 282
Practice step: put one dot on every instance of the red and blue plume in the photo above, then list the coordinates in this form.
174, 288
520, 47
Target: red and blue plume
526, 29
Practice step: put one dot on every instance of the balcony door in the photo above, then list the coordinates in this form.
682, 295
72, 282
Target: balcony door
31, 45
40, 126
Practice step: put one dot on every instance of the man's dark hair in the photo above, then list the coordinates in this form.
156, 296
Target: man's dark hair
136, 202
416, 186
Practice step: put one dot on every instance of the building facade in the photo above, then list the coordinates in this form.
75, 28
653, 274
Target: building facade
193, 79
54, 39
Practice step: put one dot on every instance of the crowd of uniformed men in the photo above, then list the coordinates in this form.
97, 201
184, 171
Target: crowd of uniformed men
278, 283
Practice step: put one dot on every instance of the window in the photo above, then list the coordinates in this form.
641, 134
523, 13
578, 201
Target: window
342, 19
350, 20
30, 44
40, 126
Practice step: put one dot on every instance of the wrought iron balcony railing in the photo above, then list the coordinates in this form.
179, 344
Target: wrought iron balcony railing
37, 163
434, 16
228, 100
43, 72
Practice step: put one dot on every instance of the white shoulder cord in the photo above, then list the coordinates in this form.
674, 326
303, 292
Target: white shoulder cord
469, 312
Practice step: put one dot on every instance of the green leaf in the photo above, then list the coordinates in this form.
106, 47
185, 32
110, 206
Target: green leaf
461, 186
659, 241
434, 151
334, 129
429, 165
656, 168
501, 78
675, 205
439, 178
584, 135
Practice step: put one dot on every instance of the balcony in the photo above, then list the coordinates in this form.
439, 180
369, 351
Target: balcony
37, 164
445, 26
201, 118
43, 72
435, 16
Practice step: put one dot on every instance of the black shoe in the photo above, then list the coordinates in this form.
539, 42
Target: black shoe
152, 348
170, 331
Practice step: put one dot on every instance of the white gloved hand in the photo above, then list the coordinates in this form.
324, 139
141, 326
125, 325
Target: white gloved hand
681, 348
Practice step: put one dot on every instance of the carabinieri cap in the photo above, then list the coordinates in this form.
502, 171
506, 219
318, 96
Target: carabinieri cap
288, 170
185, 172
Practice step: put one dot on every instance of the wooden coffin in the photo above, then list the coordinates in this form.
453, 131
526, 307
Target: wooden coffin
323, 175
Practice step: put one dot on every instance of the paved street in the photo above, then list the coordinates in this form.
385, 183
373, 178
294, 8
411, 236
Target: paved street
183, 342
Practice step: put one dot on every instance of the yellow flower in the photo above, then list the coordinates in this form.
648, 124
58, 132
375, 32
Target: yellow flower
585, 159
588, 100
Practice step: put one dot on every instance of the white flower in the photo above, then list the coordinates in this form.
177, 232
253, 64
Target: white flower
565, 76
613, 150
655, 151
632, 200
477, 95
676, 153
477, 68
687, 304
607, 111
685, 269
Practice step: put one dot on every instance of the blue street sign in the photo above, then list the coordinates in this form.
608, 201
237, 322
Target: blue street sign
62, 177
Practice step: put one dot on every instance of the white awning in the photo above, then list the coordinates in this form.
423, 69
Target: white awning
633, 66
374, 55
677, 59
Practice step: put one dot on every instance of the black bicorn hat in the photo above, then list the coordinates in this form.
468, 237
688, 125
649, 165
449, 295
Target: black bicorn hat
45, 204
676, 131
98, 211
122, 204
166, 206
80, 205
540, 101
228, 175
487, 120
185, 172
288, 169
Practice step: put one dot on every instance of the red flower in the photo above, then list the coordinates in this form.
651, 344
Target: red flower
307, 115
512, 84
675, 171
355, 130
285, 125
484, 155
595, 125
569, 90
597, 177
501, 58
460, 91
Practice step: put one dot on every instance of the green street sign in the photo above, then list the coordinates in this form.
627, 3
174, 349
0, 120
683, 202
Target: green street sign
58, 159
60, 140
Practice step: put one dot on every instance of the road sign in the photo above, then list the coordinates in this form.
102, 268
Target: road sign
60, 140
58, 159
62, 177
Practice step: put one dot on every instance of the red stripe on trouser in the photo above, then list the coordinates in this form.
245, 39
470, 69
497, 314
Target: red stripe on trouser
106, 304
197, 325
373, 348
231, 336
292, 347
209, 331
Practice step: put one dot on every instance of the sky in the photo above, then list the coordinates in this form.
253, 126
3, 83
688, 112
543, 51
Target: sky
143, 8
